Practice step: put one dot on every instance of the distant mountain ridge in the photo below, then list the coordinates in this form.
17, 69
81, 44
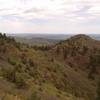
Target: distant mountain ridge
45, 39
51, 36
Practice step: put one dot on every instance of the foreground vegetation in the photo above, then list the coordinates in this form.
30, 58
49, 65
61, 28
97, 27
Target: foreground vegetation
68, 70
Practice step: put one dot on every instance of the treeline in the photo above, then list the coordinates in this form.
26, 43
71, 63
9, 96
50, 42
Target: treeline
3, 36
41, 47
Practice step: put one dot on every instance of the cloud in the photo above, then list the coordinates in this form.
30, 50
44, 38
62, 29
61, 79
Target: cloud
49, 15
34, 10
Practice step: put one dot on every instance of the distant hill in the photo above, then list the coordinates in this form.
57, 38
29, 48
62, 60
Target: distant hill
42, 35
68, 70
36, 41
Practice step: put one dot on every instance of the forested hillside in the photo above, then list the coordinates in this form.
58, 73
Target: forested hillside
69, 70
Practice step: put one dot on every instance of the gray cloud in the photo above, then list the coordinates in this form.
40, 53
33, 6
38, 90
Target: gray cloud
34, 10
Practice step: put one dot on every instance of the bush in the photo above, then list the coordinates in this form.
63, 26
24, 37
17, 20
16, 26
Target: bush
18, 45
24, 58
9, 74
20, 81
11, 61
15, 77
31, 62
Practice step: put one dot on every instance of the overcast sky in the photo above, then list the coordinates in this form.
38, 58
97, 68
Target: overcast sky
50, 16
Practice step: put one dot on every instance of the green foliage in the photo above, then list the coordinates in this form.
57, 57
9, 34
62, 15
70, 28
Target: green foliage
18, 45
4, 38
23, 58
41, 47
12, 61
20, 80
9, 74
15, 77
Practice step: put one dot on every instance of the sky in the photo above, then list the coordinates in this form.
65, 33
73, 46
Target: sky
50, 16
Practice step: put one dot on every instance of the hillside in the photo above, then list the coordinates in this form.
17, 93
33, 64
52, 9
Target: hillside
64, 72
80, 51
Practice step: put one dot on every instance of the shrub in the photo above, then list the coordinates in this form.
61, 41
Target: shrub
18, 67
15, 77
24, 58
31, 62
9, 74
11, 61
20, 81
18, 45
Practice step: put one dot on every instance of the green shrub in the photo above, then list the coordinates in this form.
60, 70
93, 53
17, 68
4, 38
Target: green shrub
9, 74
20, 81
18, 45
11, 61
